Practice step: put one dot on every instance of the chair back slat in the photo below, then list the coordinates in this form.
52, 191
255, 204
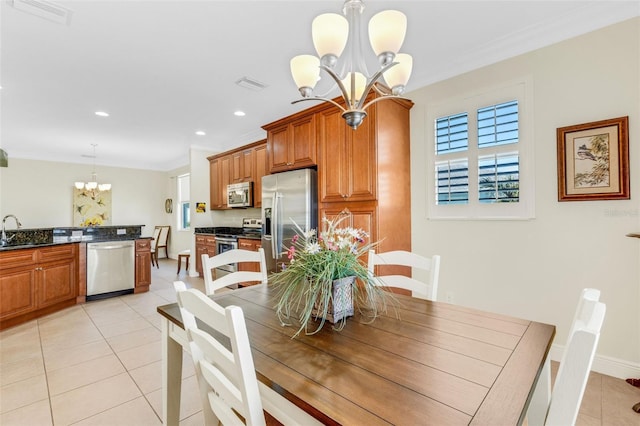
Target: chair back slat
210, 263
424, 290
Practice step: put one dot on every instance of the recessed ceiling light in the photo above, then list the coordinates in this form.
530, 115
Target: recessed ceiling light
102, 114
239, 114
200, 133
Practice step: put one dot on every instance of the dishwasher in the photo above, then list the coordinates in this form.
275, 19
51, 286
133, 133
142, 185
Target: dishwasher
110, 269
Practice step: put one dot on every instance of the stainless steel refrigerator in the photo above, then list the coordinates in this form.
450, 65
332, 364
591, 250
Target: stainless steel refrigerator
287, 198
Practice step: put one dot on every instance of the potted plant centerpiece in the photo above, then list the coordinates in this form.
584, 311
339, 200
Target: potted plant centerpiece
326, 278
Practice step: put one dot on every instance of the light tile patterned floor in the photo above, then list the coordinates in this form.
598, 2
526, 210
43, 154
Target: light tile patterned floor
99, 364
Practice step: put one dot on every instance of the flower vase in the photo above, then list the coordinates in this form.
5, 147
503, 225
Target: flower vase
341, 304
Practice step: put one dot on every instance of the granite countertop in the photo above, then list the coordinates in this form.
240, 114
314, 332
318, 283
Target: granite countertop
42, 237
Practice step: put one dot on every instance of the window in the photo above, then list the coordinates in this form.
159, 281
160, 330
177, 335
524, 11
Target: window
184, 212
480, 156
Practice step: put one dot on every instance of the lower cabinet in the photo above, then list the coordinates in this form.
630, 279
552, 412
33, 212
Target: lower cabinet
143, 266
251, 245
205, 244
36, 282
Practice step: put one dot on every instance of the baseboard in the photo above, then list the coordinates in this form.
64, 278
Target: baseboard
614, 367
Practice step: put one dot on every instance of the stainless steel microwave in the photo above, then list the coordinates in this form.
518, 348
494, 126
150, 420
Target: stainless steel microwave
240, 194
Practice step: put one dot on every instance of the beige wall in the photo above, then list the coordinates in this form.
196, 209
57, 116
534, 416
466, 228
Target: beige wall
40, 193
545, 262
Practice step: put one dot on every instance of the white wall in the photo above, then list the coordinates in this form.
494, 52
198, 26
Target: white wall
40, 193
545, 262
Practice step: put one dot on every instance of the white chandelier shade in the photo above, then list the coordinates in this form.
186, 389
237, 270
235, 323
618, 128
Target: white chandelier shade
330, 33
386, 31
334, 34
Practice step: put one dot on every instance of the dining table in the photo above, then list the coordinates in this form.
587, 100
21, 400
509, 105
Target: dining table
417, 362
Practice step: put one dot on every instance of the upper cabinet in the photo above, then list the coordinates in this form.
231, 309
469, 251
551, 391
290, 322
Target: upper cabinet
242, 166
347, 158
291, 142
246, 164
260, 161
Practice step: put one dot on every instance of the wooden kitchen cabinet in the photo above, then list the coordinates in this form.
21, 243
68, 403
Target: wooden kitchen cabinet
142, 266
36, 282
292, 143
251, 245
219, 178
261, 167
360, 216
242, 166
245, 164
367, 172
347, 159
205, 244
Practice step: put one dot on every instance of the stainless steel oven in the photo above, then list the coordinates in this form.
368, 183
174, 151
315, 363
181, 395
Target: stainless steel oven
223, 244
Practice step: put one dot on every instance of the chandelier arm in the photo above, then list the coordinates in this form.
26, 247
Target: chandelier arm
338, 81
316, 98
378, 88
372, 82
382, 99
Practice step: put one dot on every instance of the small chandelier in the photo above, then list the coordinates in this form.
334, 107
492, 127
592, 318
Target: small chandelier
331, 32
93, 184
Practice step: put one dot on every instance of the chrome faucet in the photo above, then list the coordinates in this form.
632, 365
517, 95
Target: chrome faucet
4, 240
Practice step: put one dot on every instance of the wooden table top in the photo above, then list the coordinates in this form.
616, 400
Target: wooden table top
439, 363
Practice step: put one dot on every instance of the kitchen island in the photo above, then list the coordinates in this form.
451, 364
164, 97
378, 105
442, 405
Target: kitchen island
44, 270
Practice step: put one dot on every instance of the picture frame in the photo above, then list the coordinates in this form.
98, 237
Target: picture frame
593, 161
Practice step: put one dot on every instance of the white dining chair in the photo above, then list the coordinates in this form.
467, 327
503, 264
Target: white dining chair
209, 264
225, 372
224, 367
573, 372
423, 290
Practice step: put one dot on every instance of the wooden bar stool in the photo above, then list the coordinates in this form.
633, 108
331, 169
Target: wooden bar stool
184, 254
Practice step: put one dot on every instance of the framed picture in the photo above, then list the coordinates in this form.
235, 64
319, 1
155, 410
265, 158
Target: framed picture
201, 207
593, 161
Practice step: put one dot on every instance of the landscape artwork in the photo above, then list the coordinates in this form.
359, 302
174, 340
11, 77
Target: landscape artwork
91, 207
593, 161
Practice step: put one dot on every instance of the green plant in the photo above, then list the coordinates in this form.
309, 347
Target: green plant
316, 260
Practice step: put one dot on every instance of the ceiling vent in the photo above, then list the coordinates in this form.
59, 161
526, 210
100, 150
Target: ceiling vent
251, 84
44, 9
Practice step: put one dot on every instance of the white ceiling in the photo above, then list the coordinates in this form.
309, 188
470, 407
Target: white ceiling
164, 69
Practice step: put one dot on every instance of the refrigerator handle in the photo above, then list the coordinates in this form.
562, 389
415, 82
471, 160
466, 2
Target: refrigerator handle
274, 226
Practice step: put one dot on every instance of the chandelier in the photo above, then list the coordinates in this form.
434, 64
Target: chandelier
331, 32
93, 183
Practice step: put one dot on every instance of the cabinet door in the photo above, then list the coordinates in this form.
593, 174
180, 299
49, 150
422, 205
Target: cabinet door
56, 282
260, 161
214, 184
242, 166
17, 291
361, 160
143, 269
332, 168
143, 265
225, 176
302, 142
246, 165
347, 165
359, 216
201, 249
278, 148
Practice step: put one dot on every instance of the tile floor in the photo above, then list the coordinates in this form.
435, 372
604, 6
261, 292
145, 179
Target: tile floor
99, 364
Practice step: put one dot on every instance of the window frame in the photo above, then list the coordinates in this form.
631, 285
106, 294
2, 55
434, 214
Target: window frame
520, 90
182, 204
